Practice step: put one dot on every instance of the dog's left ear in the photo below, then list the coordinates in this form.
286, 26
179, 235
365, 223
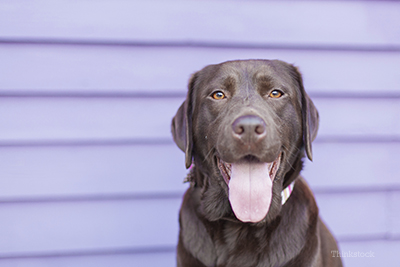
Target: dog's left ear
310, 116
181, 126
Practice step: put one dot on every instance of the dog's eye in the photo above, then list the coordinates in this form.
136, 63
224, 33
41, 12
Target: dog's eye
276, 93
218, 95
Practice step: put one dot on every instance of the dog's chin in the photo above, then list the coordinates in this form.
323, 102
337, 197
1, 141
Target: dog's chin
249, 182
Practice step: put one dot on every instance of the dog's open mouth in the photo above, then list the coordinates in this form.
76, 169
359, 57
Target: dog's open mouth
250, 186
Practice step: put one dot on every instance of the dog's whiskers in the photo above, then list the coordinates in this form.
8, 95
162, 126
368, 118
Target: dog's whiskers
291, 154
208, 154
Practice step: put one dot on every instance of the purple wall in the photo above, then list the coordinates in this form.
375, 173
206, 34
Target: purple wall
89, 175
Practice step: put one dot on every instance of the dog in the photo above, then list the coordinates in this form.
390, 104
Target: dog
245, 128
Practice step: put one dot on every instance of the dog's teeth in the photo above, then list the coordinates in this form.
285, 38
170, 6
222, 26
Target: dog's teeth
271, 169
228, 168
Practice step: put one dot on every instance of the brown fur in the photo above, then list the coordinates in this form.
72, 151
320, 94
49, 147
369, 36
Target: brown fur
210, 235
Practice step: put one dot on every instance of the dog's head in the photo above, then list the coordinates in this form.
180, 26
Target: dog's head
246, 125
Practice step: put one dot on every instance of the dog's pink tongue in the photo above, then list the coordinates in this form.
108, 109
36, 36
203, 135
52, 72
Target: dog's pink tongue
250, 191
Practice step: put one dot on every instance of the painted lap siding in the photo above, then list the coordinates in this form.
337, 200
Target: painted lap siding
87, 69
79, 226
111, 119
117, 224
88, 170
279, 23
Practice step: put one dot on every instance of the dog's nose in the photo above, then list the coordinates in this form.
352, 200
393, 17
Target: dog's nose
249, 128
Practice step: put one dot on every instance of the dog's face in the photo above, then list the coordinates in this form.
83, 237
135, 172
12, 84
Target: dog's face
245, 124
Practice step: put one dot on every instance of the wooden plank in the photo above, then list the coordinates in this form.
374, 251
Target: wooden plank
354, 215
120, 260
332, 23
65, 227
137, 170
78, 69
91, 171
394, 213
384, 253
357, 166
47, 119
59, 172
76, 227
353, 117
98, 119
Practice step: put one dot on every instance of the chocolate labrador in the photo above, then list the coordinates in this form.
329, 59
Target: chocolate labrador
245, 128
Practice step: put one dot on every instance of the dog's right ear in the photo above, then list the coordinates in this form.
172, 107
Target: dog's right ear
181, 126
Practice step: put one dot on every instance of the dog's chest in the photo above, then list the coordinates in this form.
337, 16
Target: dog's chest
243, 245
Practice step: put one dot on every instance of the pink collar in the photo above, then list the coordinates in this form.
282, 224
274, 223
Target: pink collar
287, 192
